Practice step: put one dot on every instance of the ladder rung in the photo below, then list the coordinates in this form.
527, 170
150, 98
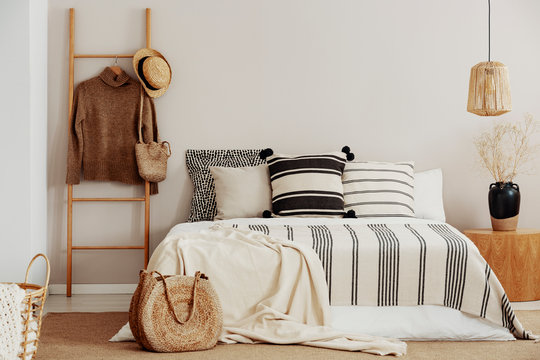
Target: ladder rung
134, 247
109, 199
101, 56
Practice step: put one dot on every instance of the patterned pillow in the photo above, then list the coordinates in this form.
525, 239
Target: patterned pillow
307, 185
379, 189
203, 202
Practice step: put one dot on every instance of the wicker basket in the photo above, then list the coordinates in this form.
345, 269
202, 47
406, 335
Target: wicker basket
32, 311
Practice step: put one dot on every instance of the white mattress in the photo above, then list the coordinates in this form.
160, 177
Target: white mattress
425, 322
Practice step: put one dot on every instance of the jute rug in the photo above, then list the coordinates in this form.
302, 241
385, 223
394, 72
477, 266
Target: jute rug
84, 336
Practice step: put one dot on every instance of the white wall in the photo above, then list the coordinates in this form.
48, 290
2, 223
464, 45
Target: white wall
388, 78
23, 149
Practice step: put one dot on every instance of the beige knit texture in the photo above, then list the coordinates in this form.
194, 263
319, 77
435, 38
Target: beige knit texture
11, 324
104, 129
153, 322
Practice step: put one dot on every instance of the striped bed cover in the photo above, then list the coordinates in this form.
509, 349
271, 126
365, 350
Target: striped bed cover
405, 265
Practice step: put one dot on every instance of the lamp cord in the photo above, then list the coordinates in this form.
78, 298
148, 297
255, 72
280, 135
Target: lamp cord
489, 30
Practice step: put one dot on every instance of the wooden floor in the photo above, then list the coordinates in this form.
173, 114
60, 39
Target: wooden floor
104, 303
87, 303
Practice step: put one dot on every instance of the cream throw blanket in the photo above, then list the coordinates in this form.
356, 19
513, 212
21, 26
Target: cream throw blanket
271, 291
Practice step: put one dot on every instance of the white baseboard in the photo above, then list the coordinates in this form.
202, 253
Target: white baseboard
79, 289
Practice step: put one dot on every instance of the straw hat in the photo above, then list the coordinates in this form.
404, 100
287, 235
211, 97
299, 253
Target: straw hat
153, 71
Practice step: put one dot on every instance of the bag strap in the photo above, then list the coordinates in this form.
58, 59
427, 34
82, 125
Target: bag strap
168, 152
198, 275
141, 116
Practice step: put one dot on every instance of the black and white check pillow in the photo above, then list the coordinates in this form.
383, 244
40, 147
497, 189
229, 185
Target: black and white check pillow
203, 202
307, 185
379, 189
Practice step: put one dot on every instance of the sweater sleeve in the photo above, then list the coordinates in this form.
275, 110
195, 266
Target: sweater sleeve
149, 121
75, 141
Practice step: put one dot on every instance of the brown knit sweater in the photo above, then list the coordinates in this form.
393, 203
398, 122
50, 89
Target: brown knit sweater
104, 129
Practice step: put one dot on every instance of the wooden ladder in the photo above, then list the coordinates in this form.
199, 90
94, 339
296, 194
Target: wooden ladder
71, 199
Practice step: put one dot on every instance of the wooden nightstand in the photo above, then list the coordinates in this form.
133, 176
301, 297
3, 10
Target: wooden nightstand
514, 256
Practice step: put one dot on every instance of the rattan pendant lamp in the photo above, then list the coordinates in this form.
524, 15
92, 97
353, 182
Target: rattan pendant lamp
489, 86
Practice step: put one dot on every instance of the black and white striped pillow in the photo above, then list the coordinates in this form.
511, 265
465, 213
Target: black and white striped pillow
307, 185
379, 189
203, 202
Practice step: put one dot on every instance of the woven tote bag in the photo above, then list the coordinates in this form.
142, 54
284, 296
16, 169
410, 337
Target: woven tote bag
152, 157
175, 313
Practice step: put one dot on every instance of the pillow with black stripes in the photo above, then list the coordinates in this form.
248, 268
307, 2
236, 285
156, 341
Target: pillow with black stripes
379, 189
307, 185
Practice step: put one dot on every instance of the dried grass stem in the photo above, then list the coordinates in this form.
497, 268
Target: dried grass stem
506, 149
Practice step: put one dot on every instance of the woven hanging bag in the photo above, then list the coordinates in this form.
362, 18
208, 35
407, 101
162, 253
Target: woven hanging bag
175, 313
151, 157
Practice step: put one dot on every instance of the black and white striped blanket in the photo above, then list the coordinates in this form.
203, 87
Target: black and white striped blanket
403, 264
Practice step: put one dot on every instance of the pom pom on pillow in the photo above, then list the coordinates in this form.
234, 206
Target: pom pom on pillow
266, 153
347, 150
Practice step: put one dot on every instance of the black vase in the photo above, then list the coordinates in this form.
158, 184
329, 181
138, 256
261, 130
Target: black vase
504, 200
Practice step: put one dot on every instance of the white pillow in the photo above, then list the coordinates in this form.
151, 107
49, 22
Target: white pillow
242, 192
428, 195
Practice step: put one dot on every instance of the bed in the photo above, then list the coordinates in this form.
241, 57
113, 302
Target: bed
393, 267
411, 279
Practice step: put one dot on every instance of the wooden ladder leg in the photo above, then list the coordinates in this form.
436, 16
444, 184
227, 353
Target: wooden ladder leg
70, 187
146, 183
148, 27
69, 239
146, 223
